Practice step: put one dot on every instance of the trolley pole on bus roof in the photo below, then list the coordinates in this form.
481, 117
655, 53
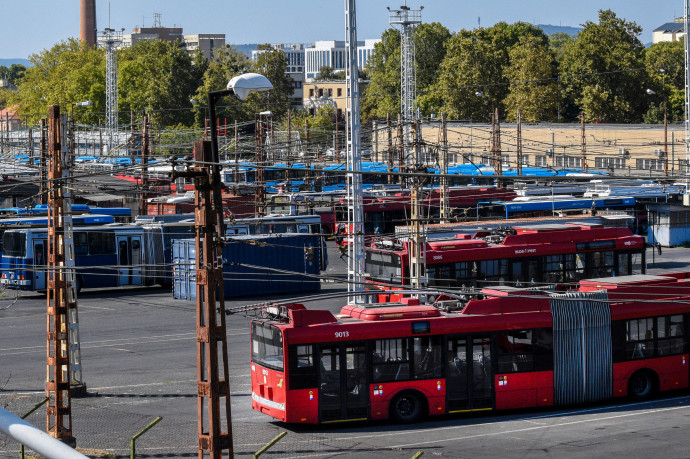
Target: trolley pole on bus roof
59, 407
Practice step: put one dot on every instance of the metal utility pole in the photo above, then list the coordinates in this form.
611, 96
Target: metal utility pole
417, 238
496, 145
519, 142
143, 203
260, 174
42, 164
443, 166
111, 39
407, 19
389, 153
355, 214
583, 143
237, 160
213, 383
686, 27
59, 406
401, 148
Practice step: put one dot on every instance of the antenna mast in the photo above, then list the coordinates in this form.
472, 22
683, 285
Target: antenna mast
111, 39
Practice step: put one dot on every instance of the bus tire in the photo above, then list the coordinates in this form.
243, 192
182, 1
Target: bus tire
641, 385
407, 407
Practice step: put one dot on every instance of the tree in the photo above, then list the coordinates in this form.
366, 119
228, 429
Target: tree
326, 73
225, 64
12, 73
472, 81
666, 77
533, 87
602, 70
62, 75
157, 77
382, 95
430, 40
272, 64
471, 76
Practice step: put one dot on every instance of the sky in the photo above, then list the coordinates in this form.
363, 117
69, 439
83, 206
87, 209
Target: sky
30, 26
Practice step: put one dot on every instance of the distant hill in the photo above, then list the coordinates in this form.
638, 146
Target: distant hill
9, 62
552, 29
247, 48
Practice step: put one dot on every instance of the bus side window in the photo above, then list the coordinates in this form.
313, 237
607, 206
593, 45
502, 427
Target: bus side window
302, 369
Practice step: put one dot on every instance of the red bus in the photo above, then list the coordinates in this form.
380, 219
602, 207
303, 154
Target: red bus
405, 361
383, 213
556, 254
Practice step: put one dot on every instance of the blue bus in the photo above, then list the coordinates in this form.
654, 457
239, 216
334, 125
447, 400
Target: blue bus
105, 256
126, 255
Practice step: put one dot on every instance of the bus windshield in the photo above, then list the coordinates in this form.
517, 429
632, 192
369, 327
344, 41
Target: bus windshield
14, 244
267, 346
383, 266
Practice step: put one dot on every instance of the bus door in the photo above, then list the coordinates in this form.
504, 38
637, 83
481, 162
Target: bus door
343, 390
129, 260
469, 383
40, 263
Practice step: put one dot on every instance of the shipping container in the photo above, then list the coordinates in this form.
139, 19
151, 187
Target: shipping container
254, 265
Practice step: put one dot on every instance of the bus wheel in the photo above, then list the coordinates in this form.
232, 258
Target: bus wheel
641, 385
407, 408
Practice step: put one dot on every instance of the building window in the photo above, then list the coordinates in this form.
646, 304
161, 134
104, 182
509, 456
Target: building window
540, 161
606, 162
330, 92
339, 92
653, 164
311, 92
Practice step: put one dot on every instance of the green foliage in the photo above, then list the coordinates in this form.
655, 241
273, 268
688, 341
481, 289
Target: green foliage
272, 64
533, 88
602, 70
5, 95
382, 95
12, 73
157, 77
327, 73
321, 125
63, 75
225, 64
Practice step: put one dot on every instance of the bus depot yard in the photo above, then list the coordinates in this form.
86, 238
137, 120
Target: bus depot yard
138, 358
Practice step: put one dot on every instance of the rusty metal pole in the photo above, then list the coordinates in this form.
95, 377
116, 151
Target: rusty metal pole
59, 407
143, 203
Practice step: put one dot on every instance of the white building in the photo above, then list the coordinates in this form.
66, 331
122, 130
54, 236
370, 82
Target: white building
332, 53
671, 31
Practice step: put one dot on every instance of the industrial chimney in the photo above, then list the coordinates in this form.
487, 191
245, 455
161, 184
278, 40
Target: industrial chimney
87, 23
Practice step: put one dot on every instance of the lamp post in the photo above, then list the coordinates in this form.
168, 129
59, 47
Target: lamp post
212, 352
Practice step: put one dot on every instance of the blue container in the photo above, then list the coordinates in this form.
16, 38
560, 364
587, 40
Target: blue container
254, 265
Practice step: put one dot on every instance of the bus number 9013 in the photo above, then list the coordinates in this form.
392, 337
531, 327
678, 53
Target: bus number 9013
342, 334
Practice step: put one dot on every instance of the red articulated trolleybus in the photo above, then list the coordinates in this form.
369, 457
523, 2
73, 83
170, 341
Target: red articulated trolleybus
403, 361
555, 254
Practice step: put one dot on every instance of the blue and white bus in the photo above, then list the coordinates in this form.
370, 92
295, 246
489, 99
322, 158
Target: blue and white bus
126, 255
105, 256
